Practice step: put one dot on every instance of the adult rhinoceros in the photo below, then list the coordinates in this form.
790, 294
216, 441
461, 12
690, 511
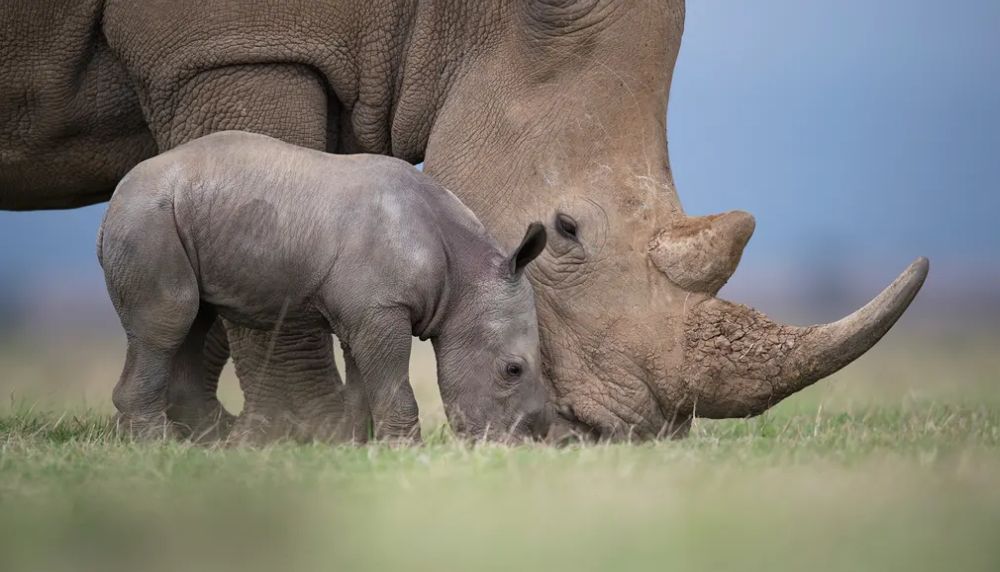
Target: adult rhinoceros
528, 110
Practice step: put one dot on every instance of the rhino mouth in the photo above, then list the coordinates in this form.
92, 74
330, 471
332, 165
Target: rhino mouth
567, 428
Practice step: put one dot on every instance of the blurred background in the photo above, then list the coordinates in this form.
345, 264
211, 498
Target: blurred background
860, 134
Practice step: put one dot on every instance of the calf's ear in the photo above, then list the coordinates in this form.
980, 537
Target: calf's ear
531, 246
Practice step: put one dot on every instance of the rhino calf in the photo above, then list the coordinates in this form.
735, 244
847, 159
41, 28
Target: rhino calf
275, 237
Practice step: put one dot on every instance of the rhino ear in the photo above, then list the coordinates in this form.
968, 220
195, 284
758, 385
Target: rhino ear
531, 246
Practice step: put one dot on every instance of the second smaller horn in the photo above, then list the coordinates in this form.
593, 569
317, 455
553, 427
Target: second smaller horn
699, 254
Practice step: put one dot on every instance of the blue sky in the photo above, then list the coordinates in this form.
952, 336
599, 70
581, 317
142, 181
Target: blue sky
871, 127
857, 132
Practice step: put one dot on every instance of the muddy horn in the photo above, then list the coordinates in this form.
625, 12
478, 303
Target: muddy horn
738, 362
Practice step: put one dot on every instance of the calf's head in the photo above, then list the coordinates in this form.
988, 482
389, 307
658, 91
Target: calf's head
489, 366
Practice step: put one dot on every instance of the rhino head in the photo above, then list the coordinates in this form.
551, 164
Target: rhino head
561, 117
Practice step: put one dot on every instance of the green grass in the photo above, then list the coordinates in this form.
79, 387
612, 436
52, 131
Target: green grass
893, 465
914, 487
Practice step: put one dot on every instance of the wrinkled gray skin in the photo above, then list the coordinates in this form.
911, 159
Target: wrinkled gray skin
277, 238
550, 110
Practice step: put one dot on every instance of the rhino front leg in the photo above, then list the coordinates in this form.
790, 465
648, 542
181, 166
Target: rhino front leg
292, 389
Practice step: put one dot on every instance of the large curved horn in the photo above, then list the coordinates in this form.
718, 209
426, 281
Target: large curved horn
738, 362
699, 254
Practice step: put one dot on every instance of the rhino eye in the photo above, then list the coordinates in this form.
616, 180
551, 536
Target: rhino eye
566, 226
513, 370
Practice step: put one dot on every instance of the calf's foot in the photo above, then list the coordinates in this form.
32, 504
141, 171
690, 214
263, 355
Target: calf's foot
145, 427
256, 429
202, 421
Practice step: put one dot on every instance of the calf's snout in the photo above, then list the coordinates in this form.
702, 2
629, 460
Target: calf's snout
538, 422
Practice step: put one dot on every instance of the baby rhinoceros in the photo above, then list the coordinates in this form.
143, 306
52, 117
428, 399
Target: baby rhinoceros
272, 236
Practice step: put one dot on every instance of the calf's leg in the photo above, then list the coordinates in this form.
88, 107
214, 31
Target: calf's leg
197, 367
378, 362
155, 292
194, 406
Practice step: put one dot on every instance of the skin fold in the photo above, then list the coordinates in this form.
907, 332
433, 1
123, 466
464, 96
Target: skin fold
292, 244
550, 110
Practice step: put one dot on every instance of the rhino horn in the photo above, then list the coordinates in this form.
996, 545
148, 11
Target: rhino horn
699, 254
738, 362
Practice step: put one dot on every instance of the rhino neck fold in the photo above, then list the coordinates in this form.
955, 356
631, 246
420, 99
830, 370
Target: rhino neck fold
432, 56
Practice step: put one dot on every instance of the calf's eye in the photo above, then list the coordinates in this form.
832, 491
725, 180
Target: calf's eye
513, 370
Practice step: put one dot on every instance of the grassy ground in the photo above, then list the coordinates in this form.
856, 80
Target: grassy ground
893, 464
